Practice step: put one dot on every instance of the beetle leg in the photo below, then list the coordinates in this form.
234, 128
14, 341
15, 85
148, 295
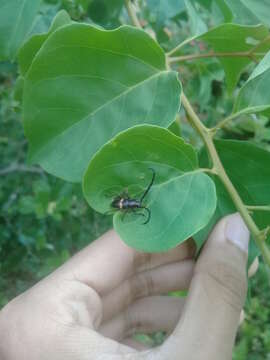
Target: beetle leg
149, 215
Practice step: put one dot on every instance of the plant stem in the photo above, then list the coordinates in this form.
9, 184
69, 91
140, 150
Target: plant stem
248, 54
205, 133
132, 14
205, 170
252, 110
209, 170
258, 208
251, 53
207, 136
225, 121
178, 47
256, 47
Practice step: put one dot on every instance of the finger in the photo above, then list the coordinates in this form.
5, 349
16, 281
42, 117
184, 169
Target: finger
147, 261
155, 313
30, 331
161, 280
102, 265
210, 319
82, 344
108, 261
139, 346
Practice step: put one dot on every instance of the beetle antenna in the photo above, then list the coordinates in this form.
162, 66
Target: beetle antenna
149, 215
149, 186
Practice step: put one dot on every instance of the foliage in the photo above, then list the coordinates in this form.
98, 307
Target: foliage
101, 105
43, 220
118, 86
16, 20
253, 339
126, 160
88, 74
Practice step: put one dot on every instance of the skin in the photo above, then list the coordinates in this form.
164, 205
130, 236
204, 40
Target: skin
90, 307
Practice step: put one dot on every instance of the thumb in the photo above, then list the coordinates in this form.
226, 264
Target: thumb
217, 293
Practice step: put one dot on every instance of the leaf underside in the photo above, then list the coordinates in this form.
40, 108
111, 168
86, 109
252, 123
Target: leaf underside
85, 85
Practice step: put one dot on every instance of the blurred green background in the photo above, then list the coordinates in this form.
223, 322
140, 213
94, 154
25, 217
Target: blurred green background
43, 220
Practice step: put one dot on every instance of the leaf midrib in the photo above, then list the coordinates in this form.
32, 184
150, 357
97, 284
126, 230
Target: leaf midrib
90, 115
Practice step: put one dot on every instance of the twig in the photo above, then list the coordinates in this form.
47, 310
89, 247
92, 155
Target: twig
207, 136
205, 133
251, 53
223, 123
256, 47
132, 14
258, 208
178, 47
20, 168
210, 54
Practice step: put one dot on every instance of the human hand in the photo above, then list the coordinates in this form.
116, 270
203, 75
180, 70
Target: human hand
90, 307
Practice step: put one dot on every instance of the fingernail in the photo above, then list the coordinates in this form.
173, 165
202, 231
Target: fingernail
237, 232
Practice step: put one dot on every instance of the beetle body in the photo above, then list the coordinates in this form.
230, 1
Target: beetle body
122, 203
125, 204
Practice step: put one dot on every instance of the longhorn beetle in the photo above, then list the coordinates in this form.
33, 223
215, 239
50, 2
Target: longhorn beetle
124, 203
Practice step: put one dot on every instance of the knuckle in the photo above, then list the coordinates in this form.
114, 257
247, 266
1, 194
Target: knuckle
141, 285
142, 261
230, 282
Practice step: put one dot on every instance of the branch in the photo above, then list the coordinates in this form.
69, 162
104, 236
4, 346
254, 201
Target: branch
210, 54
256, 47
132, 14
206, 135
251, 53
20, 168
223, 123
258, 208
178, 47
251, 110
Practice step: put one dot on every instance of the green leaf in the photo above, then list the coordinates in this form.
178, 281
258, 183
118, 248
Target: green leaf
165, 9
197, 25
179, 208
85, 85
254, 95
44, 18
175, 127
247, 165
150, 146
181, 200
216, 12
260, 9
16, 20
224, 207
31, 47
250, 11
28, 51
248, 168
105, 12
220, 7
229, 38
